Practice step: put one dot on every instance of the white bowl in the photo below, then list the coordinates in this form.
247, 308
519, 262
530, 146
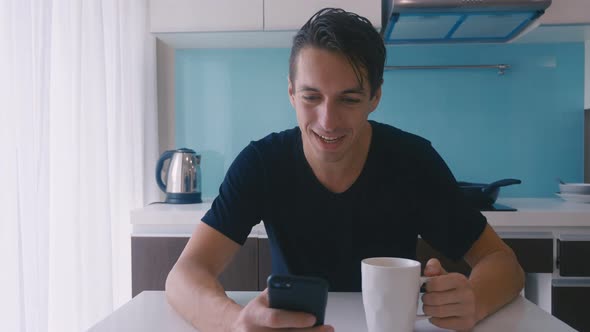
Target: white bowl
575, 188
574, 198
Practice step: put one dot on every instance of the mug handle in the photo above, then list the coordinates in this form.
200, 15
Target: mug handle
423, 280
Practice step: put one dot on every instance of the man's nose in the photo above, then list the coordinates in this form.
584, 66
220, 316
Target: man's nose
328, 115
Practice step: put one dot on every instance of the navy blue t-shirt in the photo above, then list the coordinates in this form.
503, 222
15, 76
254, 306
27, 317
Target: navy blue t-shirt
404, 190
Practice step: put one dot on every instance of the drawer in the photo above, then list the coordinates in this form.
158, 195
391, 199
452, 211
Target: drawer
152, 258
572, 255
264, 262
569, 301
534, 255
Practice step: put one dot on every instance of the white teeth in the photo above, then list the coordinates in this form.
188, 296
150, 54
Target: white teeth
329, 138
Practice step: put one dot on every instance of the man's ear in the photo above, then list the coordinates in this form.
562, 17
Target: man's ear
376, 98
291, 92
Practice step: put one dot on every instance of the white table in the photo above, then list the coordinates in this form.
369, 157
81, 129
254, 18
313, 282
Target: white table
149, 312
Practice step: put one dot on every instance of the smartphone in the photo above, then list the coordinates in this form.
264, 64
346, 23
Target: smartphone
297, 293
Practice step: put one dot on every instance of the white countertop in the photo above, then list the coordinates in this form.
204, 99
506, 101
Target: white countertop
540, 212
149, 312
177, 214
534, 215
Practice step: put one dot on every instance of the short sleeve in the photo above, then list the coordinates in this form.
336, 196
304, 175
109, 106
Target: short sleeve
446, 220
238, 207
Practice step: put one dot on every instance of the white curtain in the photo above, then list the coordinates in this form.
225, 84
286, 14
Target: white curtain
78, 143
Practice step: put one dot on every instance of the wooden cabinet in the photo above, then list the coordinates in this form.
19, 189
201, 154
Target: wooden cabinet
573, 252
567, 12
247, 15
571, 288
534, 255
242, 272
152, 258
569, 302
291, 15
264, 262
205, 15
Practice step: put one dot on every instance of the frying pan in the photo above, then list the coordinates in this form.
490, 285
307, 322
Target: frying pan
484, 195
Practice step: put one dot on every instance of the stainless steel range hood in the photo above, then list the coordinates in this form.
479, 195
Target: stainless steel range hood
458, 21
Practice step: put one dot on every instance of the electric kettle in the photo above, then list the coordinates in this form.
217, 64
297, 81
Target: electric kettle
183, 176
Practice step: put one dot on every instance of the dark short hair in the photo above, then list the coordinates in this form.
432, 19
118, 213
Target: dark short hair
347, 33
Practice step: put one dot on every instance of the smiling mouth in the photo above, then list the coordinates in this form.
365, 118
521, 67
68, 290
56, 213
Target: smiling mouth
329, 139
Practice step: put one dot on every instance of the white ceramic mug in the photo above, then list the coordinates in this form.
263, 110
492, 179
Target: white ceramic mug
390, 293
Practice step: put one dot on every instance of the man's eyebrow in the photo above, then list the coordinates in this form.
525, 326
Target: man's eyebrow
357, 90
308, 88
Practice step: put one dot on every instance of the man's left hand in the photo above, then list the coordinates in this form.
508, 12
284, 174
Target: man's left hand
449, 298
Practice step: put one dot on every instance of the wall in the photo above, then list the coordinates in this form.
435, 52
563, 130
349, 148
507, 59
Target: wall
587, 75
587, 113
527, 124
166, 108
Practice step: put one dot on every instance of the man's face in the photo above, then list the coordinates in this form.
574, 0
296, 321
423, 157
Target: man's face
332, 108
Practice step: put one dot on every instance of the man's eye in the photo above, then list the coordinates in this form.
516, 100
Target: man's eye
350, 100
310, 98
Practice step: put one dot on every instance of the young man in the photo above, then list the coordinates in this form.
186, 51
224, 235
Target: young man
336, 189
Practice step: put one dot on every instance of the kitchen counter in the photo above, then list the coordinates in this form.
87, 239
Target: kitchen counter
534, 216
149, 311
531, 231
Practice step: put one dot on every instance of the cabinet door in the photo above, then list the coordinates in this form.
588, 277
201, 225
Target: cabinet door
291, 15
567, 12
264, 262
205, 15
534, 255
242, 273
569, 302
572, 257
423, 251
152, 258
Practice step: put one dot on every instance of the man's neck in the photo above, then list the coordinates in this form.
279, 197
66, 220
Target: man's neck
339, 176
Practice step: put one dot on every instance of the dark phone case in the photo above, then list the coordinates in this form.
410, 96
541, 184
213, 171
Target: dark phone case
295, 293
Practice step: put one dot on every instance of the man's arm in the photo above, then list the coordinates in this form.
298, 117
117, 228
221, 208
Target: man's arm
193, 291
192, 287
496, 276
458, 303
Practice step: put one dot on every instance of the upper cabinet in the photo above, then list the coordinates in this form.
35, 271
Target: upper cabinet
567, 12
565, 21
291, 15
247, 15
272, 23
206, 15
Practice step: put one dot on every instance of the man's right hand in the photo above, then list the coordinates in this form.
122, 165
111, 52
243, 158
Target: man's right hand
256, 316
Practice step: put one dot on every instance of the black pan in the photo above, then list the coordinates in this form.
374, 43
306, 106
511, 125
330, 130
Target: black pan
484, 195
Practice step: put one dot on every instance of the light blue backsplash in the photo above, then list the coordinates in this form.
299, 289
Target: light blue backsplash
527, 124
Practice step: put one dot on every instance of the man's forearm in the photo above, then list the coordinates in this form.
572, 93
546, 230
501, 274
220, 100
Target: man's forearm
199, 298
496, 280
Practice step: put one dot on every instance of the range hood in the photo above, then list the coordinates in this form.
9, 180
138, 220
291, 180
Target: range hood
458, 21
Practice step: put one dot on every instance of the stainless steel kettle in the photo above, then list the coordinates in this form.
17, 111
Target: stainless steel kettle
183, 176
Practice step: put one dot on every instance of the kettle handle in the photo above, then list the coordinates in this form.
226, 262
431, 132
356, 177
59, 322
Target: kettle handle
166, 155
